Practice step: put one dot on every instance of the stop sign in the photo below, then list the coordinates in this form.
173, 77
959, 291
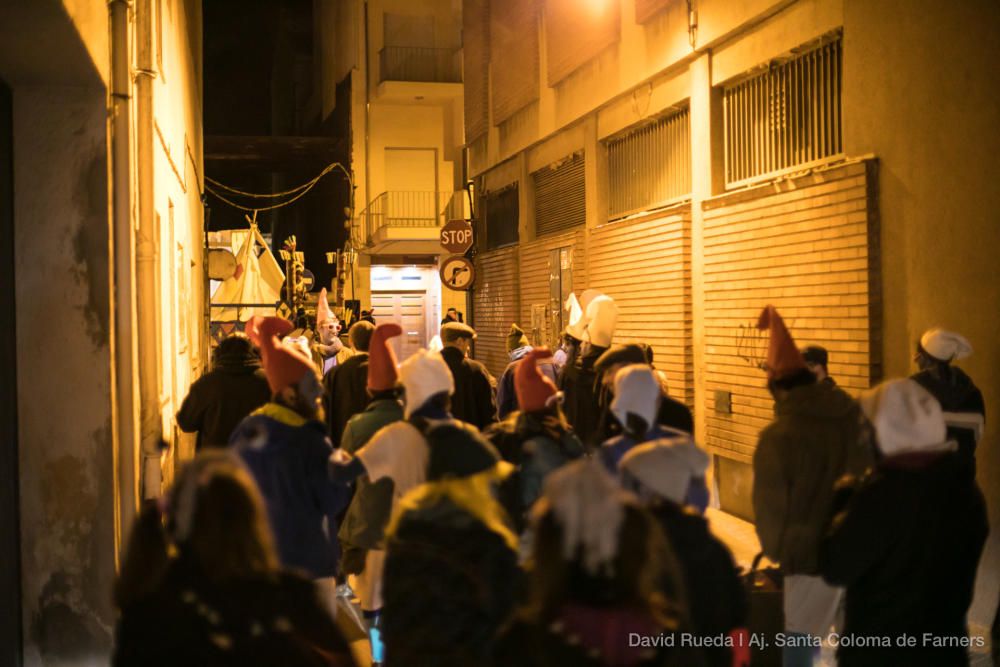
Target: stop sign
456, 236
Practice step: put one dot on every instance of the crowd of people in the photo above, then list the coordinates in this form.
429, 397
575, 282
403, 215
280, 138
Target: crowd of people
552, 517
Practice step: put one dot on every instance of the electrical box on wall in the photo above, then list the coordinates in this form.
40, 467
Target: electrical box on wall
723, 402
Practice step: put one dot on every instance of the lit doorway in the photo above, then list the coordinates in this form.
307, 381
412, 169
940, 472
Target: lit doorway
411, 297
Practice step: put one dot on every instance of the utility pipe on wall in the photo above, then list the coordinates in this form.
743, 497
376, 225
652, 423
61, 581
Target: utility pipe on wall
147, 246
124, 379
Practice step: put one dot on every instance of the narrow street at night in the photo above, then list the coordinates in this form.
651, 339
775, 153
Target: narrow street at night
505, 333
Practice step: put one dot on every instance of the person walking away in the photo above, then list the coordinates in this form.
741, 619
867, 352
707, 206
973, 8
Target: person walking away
818, 435
635, 407
960, 399
473, 401
284, 444
817, 358
579, 380
671, 412
907, 538
517, 347
362, 532
536, 439
571, 340
602, 573
452, 315
329, 350
451, 573
201, 582
345, 393
661, 474
222, 397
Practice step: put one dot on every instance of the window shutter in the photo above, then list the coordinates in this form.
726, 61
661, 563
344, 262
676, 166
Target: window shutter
513, 56
476, 56
560, 202
576, 33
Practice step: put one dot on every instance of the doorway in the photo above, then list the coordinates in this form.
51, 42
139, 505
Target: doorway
10, 532
408, 309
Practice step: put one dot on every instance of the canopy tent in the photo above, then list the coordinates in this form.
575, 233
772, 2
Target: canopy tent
258, 280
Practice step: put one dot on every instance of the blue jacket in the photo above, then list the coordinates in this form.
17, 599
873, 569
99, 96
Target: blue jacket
287, 456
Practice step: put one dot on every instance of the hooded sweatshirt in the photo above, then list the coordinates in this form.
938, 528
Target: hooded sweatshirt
817, 436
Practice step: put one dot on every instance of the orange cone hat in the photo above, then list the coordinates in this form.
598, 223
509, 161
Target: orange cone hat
783, 356
533, 390
382, 374
284, 365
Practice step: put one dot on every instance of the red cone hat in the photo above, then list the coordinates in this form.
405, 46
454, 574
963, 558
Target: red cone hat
533, 390
783, 356
284, 365
382, 372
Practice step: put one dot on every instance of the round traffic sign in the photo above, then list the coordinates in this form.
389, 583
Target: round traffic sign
457, 273
456, 236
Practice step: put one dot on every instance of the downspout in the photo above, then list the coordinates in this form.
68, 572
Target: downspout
368, 115
124, 380
145, 257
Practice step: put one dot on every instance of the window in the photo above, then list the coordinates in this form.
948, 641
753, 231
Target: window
785, 116
499, 212
560, 196
650, 166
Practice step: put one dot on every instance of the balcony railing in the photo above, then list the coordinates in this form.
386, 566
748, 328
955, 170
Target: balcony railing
410, 209
417, 63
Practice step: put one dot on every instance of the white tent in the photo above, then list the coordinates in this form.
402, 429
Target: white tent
260, 281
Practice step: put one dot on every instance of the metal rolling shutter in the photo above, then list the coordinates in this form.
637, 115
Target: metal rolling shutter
495, 306
560, 197
514, 56
645, 264
533, 267
476, 55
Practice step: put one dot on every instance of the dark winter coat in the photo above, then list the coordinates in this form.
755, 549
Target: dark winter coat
346, 393
364, 524
959, 398
450, 583
582, 400
506, 395
287, 456
906, 545
257, 622
473, 401
716, 598
524, 441
671, 413
219, 400
819, 434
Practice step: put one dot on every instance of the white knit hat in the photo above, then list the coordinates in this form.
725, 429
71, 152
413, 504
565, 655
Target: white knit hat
906, 417
423, 375
572, 306
602, 315
577, 327
945, 345
637, 391
666, 466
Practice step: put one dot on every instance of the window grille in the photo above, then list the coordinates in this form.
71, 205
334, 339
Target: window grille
785, 116
499, 212
650, 166
560, 203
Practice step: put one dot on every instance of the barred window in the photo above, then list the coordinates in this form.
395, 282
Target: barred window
560, 196
650, 165
499, 212
785, 116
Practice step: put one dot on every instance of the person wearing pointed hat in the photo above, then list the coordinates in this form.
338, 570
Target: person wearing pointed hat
636, 406
517, 347
285, 446
536, 438
671, 412
362, 533
344, 386
818, 434
602, 572
572, 338
328, 350
661, 474
474, 400
961, 400
579, 380
906, 539
451, 573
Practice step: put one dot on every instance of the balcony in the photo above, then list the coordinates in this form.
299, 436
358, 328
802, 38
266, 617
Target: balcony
399, 222
409, 74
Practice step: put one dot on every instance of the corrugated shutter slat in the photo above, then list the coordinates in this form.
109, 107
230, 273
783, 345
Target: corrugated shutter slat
560, 197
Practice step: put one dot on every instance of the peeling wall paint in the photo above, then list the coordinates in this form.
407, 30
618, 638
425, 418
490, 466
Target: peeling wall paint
64, 405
